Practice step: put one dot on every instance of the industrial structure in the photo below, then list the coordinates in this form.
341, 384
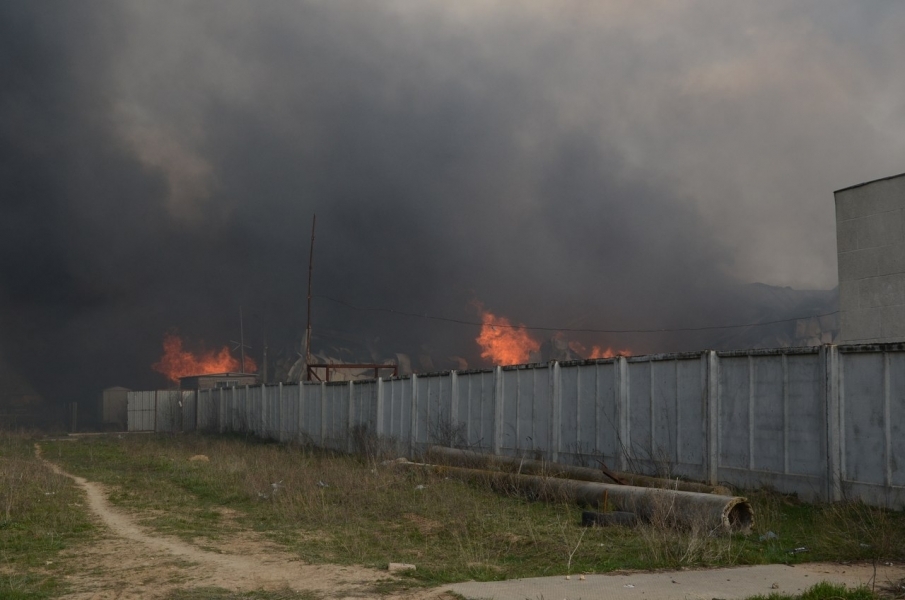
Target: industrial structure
217, 380
870, 239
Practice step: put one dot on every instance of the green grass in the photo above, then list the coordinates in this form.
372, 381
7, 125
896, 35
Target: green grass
215, 593
371, 515
824, 591
41, 515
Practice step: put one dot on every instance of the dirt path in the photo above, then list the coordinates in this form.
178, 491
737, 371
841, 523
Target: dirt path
132, 562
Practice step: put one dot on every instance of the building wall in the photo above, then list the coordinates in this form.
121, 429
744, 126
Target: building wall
204, 382
870, 237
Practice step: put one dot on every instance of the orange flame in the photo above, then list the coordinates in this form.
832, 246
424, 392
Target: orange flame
598, 351
503, 344
177, 362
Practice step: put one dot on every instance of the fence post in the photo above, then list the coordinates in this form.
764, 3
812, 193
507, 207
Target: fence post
453, 404
300, 415
246, 406
785, 413
887, 426
497, 444
751, 412
264, 412
220, 410
830, 365
623, 408
712, 416
323, 414
280, 412
349, 448
556, 417
414, 429
378, 426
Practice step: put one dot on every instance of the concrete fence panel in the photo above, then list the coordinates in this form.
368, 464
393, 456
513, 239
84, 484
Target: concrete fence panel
826, 423
476, 408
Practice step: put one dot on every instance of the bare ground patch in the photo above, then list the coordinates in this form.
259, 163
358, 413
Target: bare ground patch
132, 562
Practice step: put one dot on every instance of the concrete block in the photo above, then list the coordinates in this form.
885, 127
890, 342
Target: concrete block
890, 259
861, 325
872, 198
872, 230
869, 229
859, 264
860, 202
881, 291
892, 323
849, 295
847, 207
890, 226
847, 235
888, 194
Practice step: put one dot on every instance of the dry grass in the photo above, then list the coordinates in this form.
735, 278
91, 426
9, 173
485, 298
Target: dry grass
41, 514
864, 532
348, 509
694, 541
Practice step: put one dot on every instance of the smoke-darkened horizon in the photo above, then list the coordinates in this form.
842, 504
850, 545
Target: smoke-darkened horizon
569, 165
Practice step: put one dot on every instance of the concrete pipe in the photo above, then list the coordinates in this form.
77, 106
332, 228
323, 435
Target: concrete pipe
672, 507
454, 456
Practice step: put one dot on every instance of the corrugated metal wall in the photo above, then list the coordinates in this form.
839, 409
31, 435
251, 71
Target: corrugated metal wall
826, 423
161, 410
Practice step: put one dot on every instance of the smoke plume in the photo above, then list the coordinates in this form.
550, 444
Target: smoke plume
569, 165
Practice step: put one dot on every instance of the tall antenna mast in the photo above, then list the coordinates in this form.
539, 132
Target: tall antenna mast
308, 328
242, 338
264, 362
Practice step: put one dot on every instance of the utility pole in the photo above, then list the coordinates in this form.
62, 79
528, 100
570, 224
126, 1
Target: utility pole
308, 328
240, 345
264, 363
242, 338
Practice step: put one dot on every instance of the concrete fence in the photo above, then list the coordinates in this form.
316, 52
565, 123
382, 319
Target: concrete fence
825, 422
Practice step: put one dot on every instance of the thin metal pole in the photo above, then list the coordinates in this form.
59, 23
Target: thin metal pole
308, 328
264, 362
242, 339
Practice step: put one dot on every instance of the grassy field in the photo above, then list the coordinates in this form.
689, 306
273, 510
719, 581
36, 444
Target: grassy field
349, 510
41, 515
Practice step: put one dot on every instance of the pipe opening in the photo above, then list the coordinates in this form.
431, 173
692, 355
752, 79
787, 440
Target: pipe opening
739, 516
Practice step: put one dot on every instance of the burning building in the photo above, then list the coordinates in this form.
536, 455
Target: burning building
205, 369
207, 381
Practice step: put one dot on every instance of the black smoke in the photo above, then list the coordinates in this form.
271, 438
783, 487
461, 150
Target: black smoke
160, 165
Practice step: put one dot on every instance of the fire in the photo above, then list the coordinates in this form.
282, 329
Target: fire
502, 343
177, 362
599, 352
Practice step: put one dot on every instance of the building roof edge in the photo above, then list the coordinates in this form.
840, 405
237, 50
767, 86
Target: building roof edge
857, 185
